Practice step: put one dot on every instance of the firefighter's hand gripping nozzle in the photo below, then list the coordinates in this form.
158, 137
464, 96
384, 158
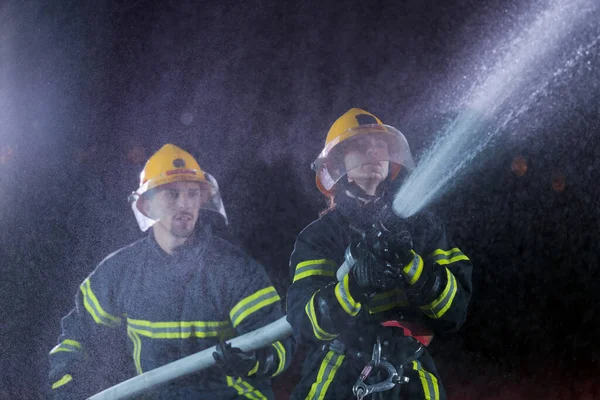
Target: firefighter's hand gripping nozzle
390, 240
369, 274
376, 260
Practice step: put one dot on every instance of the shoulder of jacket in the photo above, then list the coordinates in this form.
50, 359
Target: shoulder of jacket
429, 220
326, 222
221, 248
124, 254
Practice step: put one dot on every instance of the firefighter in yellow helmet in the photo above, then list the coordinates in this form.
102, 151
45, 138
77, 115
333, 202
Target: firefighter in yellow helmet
385, 149
179, 290
175, 167
369, 288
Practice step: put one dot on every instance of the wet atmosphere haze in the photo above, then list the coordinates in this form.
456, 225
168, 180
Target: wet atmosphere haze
89, 90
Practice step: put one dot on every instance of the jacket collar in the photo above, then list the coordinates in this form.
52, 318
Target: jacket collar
190, 249
360, 211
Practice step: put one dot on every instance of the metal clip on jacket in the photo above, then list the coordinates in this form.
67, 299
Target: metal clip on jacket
361, 389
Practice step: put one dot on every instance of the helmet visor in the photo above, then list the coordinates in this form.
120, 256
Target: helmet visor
359, 146
208, 199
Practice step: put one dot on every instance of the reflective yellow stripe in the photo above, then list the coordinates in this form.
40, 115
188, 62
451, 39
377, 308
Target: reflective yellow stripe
440, 252
177, 324
253, 303
181, 329
438, 307
66, 345
319, 272
281, 354
387, 307
445, 257
73, 343
414, 268
321, 267
429, 382
342, 293
452, 260
386, 301
327, 371
175, 335
383, 297
137, 349
93, 307
312, 316
136, 328
243, 388
253, 370
64, 380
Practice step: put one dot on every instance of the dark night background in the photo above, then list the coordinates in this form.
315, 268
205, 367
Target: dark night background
89, 90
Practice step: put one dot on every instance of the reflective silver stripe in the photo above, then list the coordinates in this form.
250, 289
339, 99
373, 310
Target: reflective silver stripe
429, 382
67, 345
319, 332
181, 329
327, 371
243, 388
387, 300
137, 349
342, 293
438, 307
322, 267
92, 305
444, 257
253, 303
280, 349
414, 269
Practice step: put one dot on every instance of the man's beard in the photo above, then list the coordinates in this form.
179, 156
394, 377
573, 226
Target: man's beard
182, 233
183, 230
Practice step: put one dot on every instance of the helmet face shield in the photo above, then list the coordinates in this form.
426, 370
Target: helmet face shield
208, 198
365, 144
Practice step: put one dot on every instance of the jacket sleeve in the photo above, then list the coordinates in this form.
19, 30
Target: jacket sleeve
254, 303
318, 306
448, 310
94, 317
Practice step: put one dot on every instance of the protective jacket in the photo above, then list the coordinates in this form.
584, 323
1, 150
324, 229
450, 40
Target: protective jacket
341, 331
169, 307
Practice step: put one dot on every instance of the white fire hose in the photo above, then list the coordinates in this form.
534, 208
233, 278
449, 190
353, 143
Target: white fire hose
254, 340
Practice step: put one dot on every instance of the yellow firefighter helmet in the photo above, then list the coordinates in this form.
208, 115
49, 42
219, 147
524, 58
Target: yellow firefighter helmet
329, 165
170, 164
173, 164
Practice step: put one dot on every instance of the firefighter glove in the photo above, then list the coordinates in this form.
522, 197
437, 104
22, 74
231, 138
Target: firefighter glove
368, 274
424, 280
393, 249
233, 361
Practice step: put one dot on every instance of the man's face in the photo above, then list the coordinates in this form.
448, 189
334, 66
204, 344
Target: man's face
363, 160
175, 207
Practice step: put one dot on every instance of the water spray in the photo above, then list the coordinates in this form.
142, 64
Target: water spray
517, 81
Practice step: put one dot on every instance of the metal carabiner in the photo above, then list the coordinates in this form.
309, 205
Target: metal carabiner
361, 389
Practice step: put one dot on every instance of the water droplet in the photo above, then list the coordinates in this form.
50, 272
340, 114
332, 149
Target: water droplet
186, 118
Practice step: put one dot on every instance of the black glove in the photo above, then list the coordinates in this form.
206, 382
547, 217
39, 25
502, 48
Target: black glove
393, 249
391, 243
428, 286
233, 361
422, 280
368, 274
